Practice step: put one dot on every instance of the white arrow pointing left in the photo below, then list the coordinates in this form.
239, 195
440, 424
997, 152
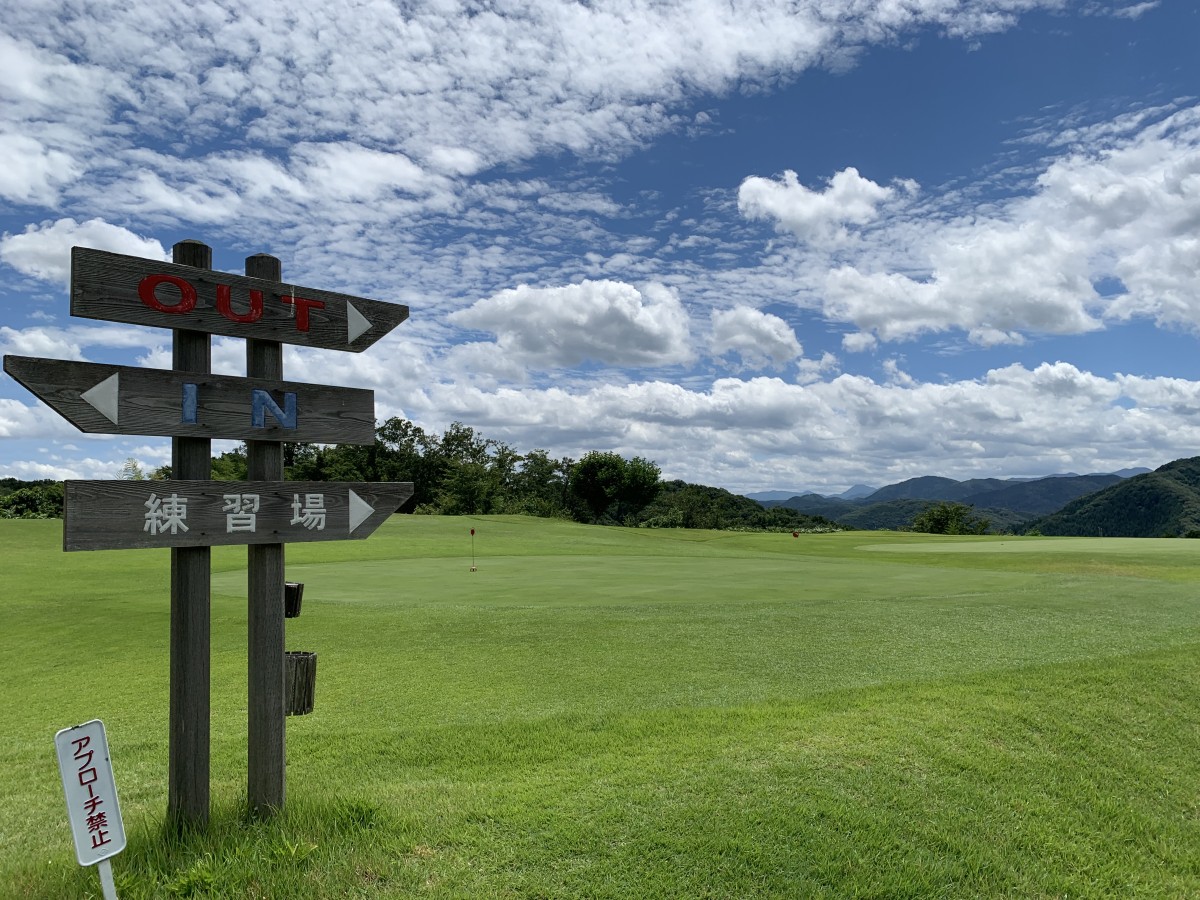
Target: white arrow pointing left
104, 397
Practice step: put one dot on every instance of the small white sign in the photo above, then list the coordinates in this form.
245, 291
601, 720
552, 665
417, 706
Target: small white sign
87, 779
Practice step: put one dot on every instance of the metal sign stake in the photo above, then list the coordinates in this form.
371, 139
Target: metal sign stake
107, 885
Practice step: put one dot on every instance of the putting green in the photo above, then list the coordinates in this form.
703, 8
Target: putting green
1041, 545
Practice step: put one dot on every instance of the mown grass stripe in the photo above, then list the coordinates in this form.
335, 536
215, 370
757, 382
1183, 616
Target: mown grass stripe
611, 713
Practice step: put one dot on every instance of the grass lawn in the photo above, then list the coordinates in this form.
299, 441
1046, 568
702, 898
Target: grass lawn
612, 713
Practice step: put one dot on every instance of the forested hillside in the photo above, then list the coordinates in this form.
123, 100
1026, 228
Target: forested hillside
460, 472
1162, 503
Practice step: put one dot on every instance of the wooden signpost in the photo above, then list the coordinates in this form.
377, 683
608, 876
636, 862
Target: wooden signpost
125, 515
119, 288
108, 399
190, 514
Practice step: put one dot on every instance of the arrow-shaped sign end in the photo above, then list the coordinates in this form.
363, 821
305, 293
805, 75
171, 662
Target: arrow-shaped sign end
360, 510
104, 396
356, 323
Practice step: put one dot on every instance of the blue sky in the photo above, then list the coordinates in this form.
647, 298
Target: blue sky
766, 245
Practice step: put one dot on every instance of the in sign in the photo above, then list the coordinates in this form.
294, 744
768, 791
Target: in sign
130, 400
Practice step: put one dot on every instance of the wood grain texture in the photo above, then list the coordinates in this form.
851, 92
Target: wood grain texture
266, 735
189, 753
112, 515
188, 757
106, 286
266, 770
151, 402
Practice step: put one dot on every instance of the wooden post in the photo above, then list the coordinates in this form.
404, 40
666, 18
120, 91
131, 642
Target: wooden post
266, 752
188, 753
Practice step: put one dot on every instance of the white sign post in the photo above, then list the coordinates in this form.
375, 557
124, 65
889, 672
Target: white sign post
91, 793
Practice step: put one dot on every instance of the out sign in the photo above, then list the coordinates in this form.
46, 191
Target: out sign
118, 288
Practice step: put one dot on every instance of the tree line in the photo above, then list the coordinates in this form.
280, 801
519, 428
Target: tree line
461, 472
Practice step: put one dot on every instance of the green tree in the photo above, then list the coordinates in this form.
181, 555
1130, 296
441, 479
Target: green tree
949, 518
468, 489
540, 486
132, 471
612, 489
642, 484
596, 481
43, 501
230, 465
460, 443
407, 453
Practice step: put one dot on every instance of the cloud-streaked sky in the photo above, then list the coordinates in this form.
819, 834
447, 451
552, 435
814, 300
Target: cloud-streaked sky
768, 245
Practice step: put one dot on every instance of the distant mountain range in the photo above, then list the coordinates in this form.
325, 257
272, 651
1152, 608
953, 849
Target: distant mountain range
854, 493
1010, 504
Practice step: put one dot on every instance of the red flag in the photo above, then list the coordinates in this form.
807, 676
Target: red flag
472, 532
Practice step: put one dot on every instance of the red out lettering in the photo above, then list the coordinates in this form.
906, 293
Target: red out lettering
302, 305
148, 292
187, 294
225, 306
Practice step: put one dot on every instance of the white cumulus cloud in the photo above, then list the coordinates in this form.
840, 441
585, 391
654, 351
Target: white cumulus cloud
44, 251
1117, 209
818, 216
32, 173
608, 322
761, 339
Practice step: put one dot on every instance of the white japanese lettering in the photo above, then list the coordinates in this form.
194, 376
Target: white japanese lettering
165, 514
240, 512
310, 514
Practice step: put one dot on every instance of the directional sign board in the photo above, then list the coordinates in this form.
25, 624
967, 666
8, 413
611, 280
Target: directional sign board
120, 515
119, 288
104, 399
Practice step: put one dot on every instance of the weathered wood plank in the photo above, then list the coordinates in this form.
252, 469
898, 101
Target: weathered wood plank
172, 403
125, 515
189, 730
266, 758
118, 288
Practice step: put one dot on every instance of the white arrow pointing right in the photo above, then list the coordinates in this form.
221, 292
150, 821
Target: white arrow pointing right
356, 323
360, 510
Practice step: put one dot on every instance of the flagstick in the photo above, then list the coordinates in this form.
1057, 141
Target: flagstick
104, 867
472, 549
